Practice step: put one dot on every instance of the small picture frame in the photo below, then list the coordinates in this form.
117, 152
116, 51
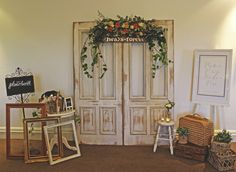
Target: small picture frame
68, 103
75, 147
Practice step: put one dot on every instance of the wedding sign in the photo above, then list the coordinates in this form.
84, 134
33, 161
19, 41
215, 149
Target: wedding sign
19, 85
122, 39
212, 71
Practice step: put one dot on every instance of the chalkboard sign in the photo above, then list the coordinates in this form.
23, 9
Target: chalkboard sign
211, 80
19, 85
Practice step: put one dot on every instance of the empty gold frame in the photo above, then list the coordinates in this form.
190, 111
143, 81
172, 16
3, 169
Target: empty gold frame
75, 148
34, 147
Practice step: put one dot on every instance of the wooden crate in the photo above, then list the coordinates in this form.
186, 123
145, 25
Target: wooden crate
222, 161
200, 129
191, 151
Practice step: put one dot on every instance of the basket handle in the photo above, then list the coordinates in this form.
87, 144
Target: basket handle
197, 116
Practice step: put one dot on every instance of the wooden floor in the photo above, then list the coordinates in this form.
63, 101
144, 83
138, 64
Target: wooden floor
111, 159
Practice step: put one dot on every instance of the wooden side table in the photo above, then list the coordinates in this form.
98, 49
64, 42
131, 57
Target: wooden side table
54, 140
169, 125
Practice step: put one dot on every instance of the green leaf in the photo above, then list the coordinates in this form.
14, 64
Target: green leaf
84, 49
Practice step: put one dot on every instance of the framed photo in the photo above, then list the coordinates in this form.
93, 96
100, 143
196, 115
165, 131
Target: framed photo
74, 150
68, 103
211, 76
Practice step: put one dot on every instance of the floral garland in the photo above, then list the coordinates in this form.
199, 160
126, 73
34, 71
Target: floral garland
125, 27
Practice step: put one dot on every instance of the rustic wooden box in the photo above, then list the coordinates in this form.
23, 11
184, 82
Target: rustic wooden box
191, 151
200, 129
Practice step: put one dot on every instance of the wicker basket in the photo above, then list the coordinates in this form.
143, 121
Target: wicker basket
200, 129
222, 161
220, 147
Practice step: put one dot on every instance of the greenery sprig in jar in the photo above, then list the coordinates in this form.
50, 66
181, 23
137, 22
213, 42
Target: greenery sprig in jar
120, 29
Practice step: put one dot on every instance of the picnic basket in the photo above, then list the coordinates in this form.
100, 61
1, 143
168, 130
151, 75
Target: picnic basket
200, 129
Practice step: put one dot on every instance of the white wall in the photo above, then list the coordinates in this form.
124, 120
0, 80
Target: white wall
37, 36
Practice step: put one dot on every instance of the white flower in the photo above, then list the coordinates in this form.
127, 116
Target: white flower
141, 24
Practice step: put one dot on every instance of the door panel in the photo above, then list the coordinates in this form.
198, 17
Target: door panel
107, 84
108, 122
138, 120
137, 71
158, 84
88, 120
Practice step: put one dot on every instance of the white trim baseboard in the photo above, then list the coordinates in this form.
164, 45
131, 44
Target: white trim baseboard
17, 133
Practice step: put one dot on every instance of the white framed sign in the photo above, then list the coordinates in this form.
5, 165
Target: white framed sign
211, 76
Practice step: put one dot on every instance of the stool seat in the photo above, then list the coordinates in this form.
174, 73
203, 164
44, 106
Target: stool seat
169, 125
166, 123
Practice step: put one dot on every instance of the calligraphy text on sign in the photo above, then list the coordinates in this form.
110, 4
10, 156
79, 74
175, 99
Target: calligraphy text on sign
121, 39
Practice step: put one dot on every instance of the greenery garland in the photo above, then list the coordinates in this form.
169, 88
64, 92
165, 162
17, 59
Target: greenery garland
124, 27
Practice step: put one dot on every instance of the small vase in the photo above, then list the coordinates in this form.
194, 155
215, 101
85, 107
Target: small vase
168, 116
183, 139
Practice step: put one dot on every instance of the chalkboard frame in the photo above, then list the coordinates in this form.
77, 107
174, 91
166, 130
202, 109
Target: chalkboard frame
212, 76
19, 85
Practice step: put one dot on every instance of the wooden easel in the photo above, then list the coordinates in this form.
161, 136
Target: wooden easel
214, 114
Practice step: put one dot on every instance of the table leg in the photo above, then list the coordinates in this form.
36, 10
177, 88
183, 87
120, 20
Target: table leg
156, 140
171, 141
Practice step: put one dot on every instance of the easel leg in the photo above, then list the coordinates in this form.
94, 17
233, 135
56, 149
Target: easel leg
212, 113
221, 117
216, 116
195, 106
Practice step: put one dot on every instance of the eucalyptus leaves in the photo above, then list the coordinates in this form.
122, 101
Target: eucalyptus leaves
124, 28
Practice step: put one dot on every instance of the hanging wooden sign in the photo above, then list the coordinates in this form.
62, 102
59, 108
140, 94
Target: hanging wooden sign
123, 39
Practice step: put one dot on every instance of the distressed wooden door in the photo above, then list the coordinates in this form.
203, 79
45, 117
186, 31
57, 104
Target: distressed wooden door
144, 96
99, 101
124, 106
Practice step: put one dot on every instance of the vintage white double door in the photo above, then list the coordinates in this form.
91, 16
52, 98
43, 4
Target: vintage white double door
124, 106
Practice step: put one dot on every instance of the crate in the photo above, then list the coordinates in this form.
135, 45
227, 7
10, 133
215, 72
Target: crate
200, 129
220, 147
191, 151
222, 161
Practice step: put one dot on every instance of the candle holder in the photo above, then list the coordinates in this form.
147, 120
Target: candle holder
168, 119
162, 119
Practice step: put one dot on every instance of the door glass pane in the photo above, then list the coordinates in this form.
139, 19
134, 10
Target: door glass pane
137, 70
159, 85
87, 84
107, 85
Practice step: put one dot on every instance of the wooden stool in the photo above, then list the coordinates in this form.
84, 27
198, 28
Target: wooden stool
163, 124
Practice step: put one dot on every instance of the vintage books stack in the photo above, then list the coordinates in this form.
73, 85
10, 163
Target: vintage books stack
220, 155
200, 132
